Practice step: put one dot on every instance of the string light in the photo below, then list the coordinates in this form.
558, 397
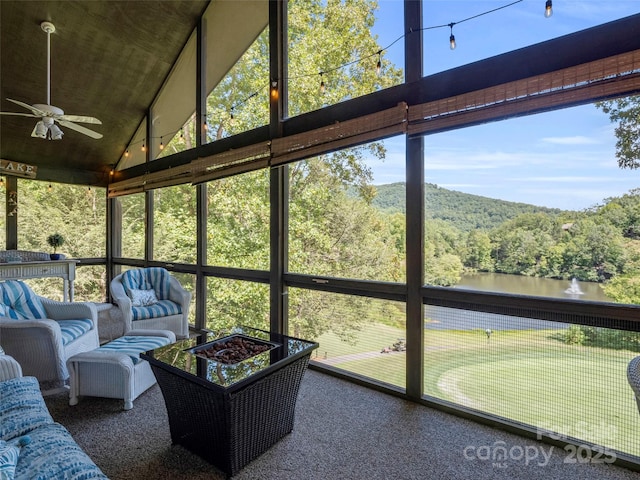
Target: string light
161, 146
548, 9
49, 188
452, 38
450, 25
2, 182
274, 84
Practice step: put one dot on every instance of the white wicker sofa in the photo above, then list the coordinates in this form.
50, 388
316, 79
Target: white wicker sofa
32, 445
41, 334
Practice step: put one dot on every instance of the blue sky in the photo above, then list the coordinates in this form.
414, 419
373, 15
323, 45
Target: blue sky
564, 159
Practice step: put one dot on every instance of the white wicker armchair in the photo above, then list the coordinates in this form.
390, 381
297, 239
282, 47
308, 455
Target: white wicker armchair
633, 375
169, 310
42, 343
9, 368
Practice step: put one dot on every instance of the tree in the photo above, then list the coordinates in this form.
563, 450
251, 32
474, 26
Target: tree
478, 256
594, 251
626, 113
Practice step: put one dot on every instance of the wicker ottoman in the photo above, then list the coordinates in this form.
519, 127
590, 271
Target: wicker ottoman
115, 370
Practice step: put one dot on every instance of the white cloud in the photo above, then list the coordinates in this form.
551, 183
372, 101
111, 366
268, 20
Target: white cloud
562, 179
575, 140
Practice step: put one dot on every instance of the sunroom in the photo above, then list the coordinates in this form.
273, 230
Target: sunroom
441, 194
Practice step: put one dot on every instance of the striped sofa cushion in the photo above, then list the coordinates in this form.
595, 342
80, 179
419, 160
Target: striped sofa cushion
161, 308
134, 345
155, 278
72, 329
20, 302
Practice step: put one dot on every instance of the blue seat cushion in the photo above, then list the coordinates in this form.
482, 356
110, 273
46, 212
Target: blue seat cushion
72, 329
161, 308
134, 345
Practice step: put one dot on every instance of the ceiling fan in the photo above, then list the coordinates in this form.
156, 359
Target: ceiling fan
48, 114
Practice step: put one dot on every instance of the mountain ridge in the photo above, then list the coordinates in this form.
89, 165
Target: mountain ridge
466, 211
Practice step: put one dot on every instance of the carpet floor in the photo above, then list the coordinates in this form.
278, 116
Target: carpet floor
342, 431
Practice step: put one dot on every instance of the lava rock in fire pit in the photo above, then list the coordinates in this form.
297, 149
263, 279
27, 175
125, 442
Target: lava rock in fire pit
233, 350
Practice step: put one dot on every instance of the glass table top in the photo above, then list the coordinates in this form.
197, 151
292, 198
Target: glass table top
185, 357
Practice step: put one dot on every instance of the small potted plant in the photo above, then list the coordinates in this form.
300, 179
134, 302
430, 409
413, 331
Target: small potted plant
55, 241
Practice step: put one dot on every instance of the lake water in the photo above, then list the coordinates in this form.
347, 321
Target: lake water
541, 287
443, 318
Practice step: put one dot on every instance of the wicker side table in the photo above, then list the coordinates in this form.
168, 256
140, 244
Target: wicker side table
230, 425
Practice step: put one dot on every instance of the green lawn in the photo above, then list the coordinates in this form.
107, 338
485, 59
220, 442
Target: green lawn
524, 375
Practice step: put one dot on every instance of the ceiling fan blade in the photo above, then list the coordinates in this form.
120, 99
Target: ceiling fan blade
79, 128
36, 111
20, 114
79, 118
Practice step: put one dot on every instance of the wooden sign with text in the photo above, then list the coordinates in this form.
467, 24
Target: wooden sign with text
17, 169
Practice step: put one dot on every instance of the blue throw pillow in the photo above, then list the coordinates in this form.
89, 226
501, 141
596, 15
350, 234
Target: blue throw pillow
8, 460
9, 453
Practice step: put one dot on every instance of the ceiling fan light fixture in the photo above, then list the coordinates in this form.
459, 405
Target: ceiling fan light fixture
55, 132
41, 130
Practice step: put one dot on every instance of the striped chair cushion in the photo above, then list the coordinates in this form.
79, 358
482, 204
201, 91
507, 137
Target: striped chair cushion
72, 329
134, 345
161, 308
20, 302
155, 278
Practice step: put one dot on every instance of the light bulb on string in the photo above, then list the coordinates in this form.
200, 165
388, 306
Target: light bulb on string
144, 148
161, 144
379, 64
181, 134
49, 188
231, 113
452, 38
274, 90
548, 9
126, 153
322, 87
1, 181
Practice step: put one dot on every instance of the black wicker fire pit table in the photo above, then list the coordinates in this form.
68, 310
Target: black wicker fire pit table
231, 396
